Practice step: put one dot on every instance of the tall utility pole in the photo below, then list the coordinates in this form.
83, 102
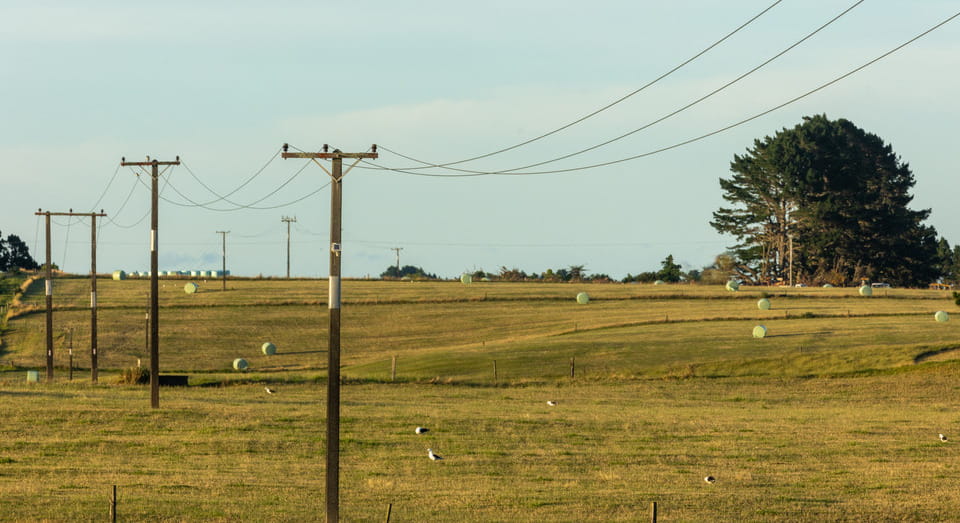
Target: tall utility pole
154, 281
398, 249
288, 221
93, 290
333, 350
224, 272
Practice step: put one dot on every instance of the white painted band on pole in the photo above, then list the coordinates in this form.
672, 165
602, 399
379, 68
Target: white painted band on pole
334, 292
93, 300
153, 240
49, 287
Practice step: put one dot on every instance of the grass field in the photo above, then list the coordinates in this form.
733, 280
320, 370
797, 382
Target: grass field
833, 416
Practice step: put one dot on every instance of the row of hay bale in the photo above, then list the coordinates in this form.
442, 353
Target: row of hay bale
123, 275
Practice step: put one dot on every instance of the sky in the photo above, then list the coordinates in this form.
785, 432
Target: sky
224, 84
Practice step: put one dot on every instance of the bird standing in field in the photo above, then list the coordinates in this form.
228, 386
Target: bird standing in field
943, 438
433, 456
421, 430
710, 479
269, 390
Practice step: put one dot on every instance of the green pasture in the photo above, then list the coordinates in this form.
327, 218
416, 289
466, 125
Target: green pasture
834, 415
450, 331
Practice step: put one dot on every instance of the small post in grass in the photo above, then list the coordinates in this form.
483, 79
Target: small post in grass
573, 368
389, 510
393, 368
113, 505
653, 511
494, 370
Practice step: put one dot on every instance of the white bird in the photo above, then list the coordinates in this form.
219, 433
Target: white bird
421, 430
552, 403
943, 438
710, 479
269, 390
433, 456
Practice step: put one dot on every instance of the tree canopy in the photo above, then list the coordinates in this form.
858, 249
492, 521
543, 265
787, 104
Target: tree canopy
826, 202
14, 254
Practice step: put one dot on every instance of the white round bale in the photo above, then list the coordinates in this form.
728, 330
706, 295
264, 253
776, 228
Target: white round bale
583, 298
866, 290
763, 304
759, 331
733, 285
658, 282
119, 275
240, 364
466, 278
191, 288
941, 316
269, 349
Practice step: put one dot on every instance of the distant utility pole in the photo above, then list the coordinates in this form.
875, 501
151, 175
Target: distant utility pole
154, 281
333, 302
288, 221
224, 271
93, 290
398, 249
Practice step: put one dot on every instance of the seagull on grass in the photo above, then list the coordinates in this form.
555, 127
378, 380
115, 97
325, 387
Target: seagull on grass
421, 430
552, 403
710, 479
269, 390
433, 456
943, 438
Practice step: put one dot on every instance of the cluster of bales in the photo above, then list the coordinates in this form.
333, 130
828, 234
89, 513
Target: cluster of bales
123, 275
764, 304
268, 349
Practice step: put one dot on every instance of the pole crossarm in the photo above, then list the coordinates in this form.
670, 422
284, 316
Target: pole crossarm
45, 213
335, 155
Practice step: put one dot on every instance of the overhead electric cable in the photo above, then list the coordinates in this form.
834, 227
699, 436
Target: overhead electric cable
673, 113
250, 205
234, 191
107, 188
691, 140
427, 165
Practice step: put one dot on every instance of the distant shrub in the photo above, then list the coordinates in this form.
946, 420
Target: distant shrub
134, 376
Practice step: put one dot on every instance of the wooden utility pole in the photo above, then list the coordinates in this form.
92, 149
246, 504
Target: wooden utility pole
398, 249
224, 272
93, 290
333, 350
154, 281
288, 220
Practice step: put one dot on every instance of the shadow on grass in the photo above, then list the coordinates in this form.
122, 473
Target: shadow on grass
798, 334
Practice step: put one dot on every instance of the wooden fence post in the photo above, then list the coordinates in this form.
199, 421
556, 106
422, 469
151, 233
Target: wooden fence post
389, 510
393, 368
572, 367
653, 511
494, 370
113, 505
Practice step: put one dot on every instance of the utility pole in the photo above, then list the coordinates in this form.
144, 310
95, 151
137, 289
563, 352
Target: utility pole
288, 221
154, 281
333, 302
224, 272
398, 249
93, 290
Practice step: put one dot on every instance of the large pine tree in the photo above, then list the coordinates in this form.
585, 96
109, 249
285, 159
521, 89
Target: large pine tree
837, 193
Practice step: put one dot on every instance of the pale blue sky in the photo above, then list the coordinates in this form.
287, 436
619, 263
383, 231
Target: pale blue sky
224, 84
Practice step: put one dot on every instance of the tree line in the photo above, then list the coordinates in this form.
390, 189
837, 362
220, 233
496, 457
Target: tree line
14, 254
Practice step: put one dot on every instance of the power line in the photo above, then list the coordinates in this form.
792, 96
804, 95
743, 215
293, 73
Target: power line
427, 165
669, 115
691, 140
